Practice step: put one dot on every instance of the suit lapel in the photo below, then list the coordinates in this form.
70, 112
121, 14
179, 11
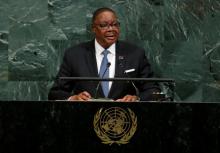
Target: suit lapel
120, 64
92, 64
91, 60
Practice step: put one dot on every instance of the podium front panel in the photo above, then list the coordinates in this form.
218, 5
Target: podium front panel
105, 127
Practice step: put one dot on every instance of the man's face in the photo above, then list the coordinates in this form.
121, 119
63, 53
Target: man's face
106, 28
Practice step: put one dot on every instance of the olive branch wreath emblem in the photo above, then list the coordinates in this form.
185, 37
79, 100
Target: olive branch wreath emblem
105, 138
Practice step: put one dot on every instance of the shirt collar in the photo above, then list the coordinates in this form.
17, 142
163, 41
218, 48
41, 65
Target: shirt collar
99, 49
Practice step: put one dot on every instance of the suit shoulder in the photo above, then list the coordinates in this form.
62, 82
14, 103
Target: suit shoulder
128, 46
79, 48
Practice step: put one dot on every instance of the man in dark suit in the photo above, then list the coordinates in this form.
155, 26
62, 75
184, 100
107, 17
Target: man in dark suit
86, 60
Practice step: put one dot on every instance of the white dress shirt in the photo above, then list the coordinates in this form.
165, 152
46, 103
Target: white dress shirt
111, 58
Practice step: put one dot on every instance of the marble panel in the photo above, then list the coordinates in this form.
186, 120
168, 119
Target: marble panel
181, 39
27, 40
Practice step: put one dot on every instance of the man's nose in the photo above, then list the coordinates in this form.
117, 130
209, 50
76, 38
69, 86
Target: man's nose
110, 27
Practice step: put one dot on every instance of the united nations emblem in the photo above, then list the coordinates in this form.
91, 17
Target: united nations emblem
115, 125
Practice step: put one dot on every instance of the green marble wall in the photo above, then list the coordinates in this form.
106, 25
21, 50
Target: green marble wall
181, 37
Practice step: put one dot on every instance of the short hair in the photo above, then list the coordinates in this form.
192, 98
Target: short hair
100, 10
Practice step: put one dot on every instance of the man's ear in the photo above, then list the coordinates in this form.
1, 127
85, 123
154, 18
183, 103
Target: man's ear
93, 29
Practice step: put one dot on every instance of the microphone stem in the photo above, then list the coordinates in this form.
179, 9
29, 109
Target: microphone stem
97, 88
136, 89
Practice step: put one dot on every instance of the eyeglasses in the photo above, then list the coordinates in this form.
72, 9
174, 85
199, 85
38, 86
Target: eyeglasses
105, 26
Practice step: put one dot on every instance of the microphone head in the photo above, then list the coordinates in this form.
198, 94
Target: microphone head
108, 64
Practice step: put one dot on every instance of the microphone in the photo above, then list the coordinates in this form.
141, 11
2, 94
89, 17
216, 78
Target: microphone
97, 87
136, 89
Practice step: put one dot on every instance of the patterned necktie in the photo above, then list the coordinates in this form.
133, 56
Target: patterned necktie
104, 73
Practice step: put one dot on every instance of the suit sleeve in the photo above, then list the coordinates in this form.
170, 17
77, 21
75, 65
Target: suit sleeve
146, 88
62, 89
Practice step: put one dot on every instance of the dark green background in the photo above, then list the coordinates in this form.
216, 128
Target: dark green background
181, 38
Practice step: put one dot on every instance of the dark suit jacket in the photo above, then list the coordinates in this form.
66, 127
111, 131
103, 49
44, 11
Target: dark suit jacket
80, 61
